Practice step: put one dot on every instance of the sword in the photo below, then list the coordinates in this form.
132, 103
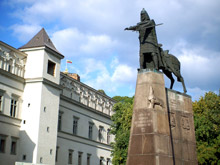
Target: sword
153, 25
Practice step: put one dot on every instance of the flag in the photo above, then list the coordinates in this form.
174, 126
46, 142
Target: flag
68, 61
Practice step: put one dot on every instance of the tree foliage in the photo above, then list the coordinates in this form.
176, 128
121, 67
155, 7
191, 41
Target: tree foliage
207, 126
102, 91
121, 128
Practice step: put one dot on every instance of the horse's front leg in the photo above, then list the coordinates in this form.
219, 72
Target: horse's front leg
172, 82
169, 75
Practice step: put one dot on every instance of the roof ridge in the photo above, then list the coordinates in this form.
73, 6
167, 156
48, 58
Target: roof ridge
39, 40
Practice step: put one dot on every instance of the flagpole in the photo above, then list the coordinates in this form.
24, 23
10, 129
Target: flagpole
66, 70
67, 61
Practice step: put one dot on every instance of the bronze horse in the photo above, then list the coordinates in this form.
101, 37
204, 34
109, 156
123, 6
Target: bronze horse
172, 65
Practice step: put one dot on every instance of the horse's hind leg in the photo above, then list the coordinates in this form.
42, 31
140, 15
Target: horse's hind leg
169, 75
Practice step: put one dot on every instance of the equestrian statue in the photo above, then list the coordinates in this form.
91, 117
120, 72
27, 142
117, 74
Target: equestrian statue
152, 56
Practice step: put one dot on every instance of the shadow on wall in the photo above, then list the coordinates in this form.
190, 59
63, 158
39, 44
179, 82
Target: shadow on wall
26, 148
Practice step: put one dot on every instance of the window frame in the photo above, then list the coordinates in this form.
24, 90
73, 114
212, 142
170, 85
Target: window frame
2, 92
14, 106
59, 124
70, 156
108, 136
4, 138
13, 150
108, 161
80, 158
101, 161
90, 131
100, 133
51, 68
88, 160
75, 125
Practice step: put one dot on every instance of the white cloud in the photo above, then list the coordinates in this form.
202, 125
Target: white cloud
68, 41
73, 42
92, 66
200, 67
124, 74
25, 32
97, 44
196, 93
114, 62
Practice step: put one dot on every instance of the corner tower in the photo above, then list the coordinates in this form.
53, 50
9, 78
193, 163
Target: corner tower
40, 100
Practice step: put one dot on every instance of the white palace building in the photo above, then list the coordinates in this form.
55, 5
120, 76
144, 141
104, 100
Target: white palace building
46, 116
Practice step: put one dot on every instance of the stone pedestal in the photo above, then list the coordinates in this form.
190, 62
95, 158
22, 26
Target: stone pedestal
162, 131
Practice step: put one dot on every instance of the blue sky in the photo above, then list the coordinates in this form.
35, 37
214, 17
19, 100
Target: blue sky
91, 34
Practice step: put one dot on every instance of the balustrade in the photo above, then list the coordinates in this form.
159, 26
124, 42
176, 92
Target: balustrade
12, 62
82, 93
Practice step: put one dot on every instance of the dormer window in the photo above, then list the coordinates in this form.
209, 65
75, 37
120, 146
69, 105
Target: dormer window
51, 68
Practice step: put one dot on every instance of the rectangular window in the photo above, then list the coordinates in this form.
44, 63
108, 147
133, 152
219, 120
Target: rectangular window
9, 68
59, 121
2, 143
80, 158
101, 161
13, 109
13, 146
51, 68
41, 159
90, 130
56, 157
88, 159
100, 133
1, 103
70, 157
108, 161
75, 125
1, 100
108, 136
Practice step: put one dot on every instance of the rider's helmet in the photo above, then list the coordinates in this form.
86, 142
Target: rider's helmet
144, 15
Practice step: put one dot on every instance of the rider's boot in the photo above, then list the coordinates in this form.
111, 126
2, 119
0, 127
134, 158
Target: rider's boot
155, 60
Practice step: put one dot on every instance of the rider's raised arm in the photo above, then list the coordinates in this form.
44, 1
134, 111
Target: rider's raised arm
134, 28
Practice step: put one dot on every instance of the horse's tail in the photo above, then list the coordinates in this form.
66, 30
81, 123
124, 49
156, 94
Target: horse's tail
176, 67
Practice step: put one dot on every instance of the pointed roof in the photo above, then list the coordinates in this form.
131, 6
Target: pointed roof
39, 40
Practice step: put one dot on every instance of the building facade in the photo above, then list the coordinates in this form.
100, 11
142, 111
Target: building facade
46, 116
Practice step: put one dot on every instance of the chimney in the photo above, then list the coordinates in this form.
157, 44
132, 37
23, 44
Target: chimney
74, 75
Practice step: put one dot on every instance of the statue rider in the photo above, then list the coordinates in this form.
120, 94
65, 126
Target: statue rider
148, 41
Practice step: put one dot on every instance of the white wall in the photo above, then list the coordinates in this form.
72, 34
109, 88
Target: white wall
31, 114
35, 64
48, 119
41, 115
10, 86
81, 142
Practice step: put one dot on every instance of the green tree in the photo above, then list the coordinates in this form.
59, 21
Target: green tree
207, 126
121, 128
102, 91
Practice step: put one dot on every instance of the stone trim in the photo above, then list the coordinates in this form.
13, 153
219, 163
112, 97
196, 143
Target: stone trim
44, 80
173, 91
12, 76
84, 107
78, 141
75, 90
